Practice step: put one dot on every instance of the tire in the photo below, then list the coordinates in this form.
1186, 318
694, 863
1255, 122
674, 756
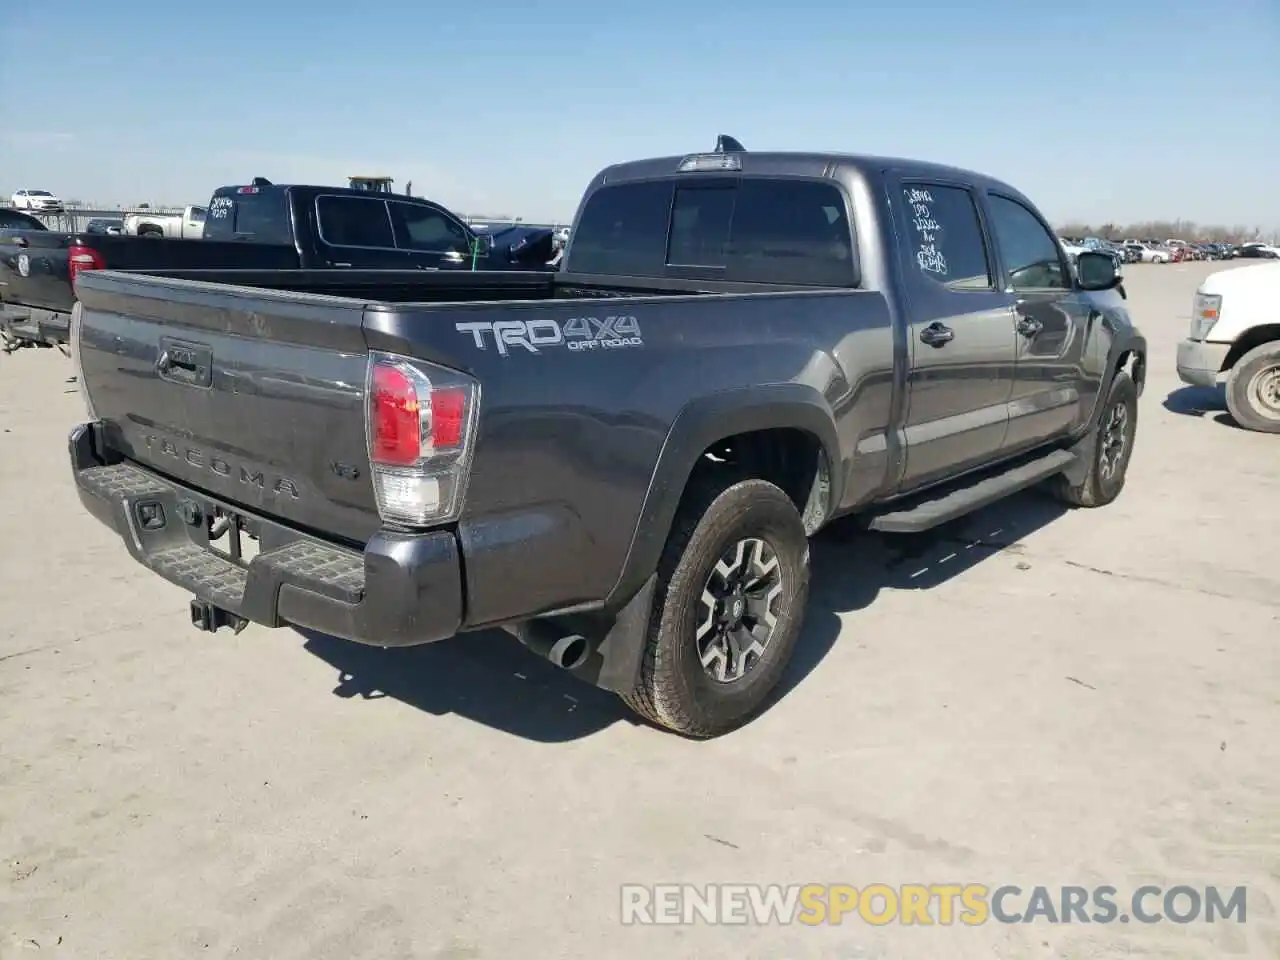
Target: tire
1108, 463
675, 690
1253, 389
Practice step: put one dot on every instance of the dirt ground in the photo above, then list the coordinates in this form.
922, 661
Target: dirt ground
1033, 698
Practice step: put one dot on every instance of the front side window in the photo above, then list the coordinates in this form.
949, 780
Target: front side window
419, 227
1031, 255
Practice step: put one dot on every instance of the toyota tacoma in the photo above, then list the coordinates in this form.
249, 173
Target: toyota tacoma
620, 463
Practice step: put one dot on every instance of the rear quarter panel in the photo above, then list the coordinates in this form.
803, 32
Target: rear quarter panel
571, 437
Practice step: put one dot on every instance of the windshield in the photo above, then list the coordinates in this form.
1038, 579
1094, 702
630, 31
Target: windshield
39, 193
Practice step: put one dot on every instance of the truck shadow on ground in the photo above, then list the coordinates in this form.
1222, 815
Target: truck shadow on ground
1200, 402
489, 678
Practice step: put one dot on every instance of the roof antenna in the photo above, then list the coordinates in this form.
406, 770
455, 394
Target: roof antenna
727, 144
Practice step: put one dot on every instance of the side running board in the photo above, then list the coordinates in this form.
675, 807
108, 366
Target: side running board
948, 503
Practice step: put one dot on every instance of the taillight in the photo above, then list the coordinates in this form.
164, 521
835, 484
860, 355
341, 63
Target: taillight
420, 420
80, 259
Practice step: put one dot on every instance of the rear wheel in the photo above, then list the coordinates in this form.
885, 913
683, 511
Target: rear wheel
1109, 448
732, 586
1253, 389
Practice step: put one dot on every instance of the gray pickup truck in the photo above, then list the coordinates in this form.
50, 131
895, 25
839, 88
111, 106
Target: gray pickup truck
619, 463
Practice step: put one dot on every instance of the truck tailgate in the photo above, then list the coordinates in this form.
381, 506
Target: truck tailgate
33, 269
227, 389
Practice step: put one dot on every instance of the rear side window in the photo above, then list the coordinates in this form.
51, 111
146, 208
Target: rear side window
946, 236
750, 230
354, 222
261, 217
623, 230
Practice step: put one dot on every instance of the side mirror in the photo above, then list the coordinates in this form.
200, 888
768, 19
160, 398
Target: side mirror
1096, 271
481, 245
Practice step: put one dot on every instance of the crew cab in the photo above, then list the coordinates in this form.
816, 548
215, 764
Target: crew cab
619, 463
1235, 339
187, 224
258, 226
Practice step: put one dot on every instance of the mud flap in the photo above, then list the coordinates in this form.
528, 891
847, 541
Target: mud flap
1085, 449
616, 663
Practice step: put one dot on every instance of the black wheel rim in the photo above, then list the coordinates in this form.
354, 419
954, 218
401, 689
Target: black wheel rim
1115, 437
739, 609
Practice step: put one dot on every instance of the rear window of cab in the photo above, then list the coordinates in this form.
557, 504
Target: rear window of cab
739, 229
251, 214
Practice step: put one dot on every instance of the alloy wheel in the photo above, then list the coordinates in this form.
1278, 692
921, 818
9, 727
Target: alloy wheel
739, 609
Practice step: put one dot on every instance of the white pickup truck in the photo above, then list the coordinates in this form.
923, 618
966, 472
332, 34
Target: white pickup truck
1235, 335
187, 225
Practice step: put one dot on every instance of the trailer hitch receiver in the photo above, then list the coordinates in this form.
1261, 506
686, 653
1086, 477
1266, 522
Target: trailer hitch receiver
210, 618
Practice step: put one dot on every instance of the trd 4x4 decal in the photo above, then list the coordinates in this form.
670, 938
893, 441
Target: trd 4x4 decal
576, 333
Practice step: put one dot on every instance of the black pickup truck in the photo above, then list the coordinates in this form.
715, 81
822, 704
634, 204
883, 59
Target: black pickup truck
619, 463
260, 226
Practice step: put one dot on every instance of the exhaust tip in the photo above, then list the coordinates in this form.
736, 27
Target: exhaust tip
569, 652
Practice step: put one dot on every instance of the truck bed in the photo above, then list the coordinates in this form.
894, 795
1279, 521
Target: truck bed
580, 382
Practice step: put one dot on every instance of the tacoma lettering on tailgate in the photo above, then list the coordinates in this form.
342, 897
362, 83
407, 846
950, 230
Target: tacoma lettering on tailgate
195, 457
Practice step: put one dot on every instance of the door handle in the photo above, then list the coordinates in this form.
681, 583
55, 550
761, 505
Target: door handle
1029, 326
937, 334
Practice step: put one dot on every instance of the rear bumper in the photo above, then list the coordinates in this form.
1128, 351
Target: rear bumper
33, 325
1199, 363
404, 589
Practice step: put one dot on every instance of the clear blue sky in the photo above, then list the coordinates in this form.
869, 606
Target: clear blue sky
1120, 109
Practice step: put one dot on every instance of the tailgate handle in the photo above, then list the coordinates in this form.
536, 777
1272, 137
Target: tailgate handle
186, 363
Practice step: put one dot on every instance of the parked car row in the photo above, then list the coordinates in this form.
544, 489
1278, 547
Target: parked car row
1174, 250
